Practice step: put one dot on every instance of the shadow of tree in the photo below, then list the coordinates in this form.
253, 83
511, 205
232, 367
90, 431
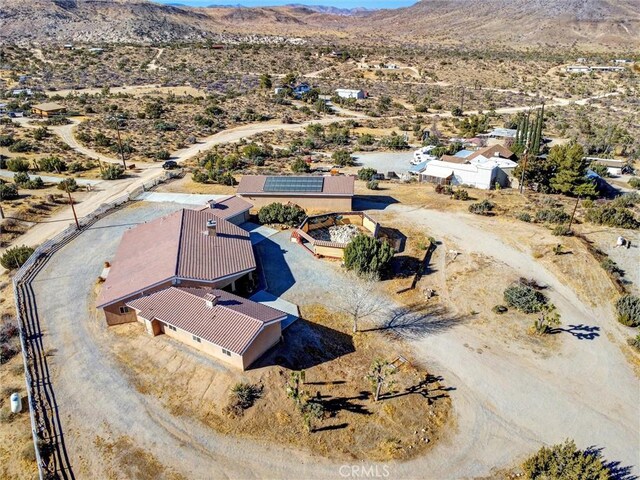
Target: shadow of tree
307, 344
616, 470
424, 388
581, 332
417, 320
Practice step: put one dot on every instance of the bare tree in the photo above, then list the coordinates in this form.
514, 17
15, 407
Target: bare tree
360, 299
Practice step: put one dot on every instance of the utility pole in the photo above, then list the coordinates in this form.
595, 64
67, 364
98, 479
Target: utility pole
117, 122
1, 211
573, 214
524, 168
73, 209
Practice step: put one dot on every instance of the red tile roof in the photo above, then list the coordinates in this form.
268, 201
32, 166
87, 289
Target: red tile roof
228, 207
176, 246
335, 185
232, 322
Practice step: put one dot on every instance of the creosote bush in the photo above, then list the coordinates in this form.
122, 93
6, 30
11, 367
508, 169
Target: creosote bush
628, 308
15, 257
565, 462
524, 298
366, 174
289, 214
485, 207
367, 255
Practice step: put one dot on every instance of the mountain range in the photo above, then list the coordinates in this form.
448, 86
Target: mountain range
584, 23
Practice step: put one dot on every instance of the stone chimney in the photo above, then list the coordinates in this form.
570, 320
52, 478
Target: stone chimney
212, 228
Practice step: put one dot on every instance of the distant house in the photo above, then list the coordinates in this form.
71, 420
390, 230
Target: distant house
313, 193
607, 68
614, 167
96, 50
351, 93
48, 109
482, 175
22, 91
578, 69
500, 133
301, 89
493, 151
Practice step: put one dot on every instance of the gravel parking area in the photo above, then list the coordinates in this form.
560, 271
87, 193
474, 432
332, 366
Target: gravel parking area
384, 162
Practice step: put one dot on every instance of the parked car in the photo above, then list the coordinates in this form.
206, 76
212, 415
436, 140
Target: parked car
170, 165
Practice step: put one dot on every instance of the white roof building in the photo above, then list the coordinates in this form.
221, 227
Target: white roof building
350, 93
482, 175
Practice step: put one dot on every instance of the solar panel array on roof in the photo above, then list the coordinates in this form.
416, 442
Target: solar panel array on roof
293, 184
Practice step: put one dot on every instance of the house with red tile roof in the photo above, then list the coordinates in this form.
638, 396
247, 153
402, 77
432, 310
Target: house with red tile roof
231, 328
169, 274
312, 192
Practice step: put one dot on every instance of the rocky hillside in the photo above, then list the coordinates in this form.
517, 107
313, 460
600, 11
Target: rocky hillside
585, 23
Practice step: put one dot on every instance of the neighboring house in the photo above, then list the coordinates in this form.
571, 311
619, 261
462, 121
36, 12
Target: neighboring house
578, 69
187, 248
481, 175
419, 168
464, 153
301, 89
614, 167
493, 151
500, 133
313, 193
233, 209
351, 93
607, 68
22, 91
96, 50
48, 109
231, 328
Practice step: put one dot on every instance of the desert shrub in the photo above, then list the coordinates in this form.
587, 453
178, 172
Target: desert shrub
634, 182
565, 462
21, 179
484, 207
162, 155
588, 203
51, 164
611, 267
241, 397
112, 172
40, 133
524, 298
366, 139
15, 257
101, 140
366, 174
552, 215
342, 158
200, 176
600, 170
8, 331
75, 167
612, 217
628, 308
8, 191
561, 231
634, 342
367, 255
6, 140
20, 146
460, 194
373, 185
289, 214
626, 200
68, 185
524, 217
17, 164
7, 352
166, 126
299, 166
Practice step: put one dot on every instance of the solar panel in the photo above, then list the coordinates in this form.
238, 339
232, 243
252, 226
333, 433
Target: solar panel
293, 184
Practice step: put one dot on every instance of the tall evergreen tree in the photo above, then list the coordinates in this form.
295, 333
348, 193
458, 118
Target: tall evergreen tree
571, 169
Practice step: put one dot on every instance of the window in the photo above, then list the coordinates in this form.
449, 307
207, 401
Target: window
124, 310
226, 352
197, 339
171, 327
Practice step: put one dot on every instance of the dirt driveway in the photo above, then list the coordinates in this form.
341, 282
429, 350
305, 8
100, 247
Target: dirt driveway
507, 400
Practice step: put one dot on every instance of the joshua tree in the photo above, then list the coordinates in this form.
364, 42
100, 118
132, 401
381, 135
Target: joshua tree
548, 319
379, 375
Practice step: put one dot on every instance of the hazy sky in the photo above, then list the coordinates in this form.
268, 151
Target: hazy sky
333, 3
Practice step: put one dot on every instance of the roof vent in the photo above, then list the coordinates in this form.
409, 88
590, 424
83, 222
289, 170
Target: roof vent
212, 227
212, 203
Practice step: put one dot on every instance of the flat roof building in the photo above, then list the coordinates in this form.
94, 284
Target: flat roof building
48, 109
